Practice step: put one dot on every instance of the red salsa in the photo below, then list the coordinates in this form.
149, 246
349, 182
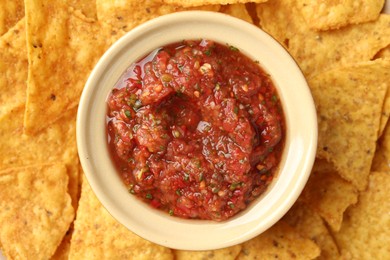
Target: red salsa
196, 129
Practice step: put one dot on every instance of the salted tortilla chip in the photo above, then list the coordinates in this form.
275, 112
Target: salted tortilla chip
349, 102
319, 51
13, 68
36, 210
60, 59
385, 114
237, 10
325, 15
57, 143
327, 194
279, 242
192, 3
10, 13
229, 253
381, 161
97, 235
310, 225
383, 53
365, 230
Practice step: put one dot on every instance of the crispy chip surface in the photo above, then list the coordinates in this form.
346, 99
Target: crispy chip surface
36, 210
279, 242
229, 253
349, 103
324, 15
13, 68
381, 161
364, 233
97, 235
310, 225
10, 13
192, 3
57, 143
60, 60
318, 51
237, 10
327, 194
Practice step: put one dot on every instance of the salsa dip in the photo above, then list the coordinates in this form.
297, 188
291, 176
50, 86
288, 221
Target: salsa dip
196, 129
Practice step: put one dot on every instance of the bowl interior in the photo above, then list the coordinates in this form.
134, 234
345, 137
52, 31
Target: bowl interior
300, 143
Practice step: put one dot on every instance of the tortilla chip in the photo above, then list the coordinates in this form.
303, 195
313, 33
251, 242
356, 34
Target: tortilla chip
102, 237
381, 160
319, 51
279, 242
327, 194
237, 10
13, 68
10, 13
60, 60
35, 211
310, 225
349, 102
194, 3
385, 114
365, 231
325, 15
87, 7
383, 53
56, 144
229, 253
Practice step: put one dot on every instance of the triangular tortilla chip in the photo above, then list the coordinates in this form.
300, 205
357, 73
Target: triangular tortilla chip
279, 242
195, 3
36, 210
310, 225
327, 194
365, 230
349, 103
60, 59
237, 10
318, 51
324, 15
56, 144
13, 68
10, 13
97, 235
381, 161
229, 253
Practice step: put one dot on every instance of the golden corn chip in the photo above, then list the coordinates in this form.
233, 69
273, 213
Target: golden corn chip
318, 51
193, 3
229, 253
10, 13
237, 10
122, 16
385, 114
381, 161
60, 60
310, 225
327, 194
383, 53
13, 68
324, 15
349, 103
35, 210
365, 230
102, 237
57, 143
279, 242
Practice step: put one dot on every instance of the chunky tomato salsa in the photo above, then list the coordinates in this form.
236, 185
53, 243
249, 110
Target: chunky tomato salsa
196, 129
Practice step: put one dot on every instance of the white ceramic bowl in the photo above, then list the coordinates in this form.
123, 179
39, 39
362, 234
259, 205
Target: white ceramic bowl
159, 227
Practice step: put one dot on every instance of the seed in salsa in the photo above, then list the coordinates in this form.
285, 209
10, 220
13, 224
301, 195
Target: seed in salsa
196, 129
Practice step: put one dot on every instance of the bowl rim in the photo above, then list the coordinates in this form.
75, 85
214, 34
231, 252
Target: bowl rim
301, 133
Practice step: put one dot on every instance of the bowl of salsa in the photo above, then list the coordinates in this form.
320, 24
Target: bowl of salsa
197, 125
